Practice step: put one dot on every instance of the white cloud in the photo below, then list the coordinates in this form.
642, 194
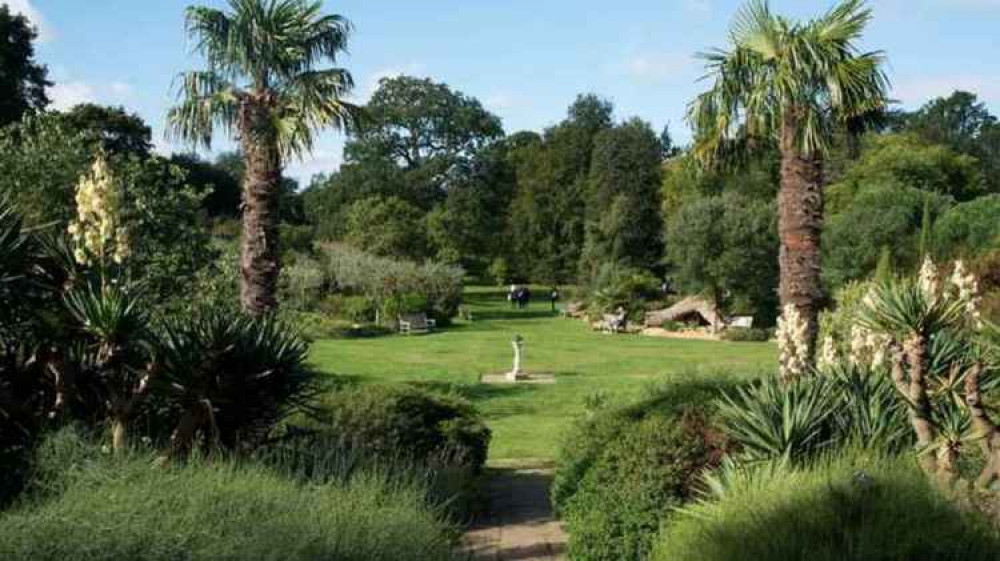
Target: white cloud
67, 94
656, 66
25, 8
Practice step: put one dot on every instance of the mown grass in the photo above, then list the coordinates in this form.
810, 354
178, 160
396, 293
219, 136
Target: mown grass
528, 421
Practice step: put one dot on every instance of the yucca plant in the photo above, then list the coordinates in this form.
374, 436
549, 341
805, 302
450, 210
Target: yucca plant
230, 378
780, 420
869, 412
937, 365
113, 321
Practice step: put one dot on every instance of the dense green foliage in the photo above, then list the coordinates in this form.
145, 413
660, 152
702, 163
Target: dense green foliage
651, 468
125, 509
621, 470
855, 507
387, 227
394, 286
727, 248
881, 218
623, 227
22, 89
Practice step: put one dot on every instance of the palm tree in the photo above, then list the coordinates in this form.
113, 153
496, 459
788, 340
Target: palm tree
264, 83
796, 84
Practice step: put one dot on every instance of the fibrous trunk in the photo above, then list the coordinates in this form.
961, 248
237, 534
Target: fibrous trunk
800, 223
259, 263
985, 429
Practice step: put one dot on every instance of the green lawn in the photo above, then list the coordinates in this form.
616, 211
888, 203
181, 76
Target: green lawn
528, 420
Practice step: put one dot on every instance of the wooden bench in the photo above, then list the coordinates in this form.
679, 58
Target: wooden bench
415, 323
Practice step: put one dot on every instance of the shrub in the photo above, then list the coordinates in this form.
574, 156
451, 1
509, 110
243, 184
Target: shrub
778, 420
96, 509
594, 432
650, 469
853, 507
621, 470
229, 379
400, 421
357, 309
968, 229
744, 334
613, 287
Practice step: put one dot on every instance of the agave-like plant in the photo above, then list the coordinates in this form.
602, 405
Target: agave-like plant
230, 378
113, 319
870, 413
775, 419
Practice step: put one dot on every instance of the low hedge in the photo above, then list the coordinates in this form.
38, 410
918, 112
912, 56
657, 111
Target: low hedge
852, 507
89, 506
406, 421
746, 335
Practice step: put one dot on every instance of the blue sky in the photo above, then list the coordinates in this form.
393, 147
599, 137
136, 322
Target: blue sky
525, 59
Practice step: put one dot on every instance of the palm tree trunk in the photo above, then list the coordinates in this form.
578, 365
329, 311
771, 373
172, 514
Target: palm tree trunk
260, 257
800, 223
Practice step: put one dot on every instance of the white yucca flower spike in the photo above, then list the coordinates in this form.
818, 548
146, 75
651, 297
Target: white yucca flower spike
793, 347
966, 288
929, 279
96, 230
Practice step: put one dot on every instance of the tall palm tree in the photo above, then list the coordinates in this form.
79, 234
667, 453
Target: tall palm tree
265, 84
796, 84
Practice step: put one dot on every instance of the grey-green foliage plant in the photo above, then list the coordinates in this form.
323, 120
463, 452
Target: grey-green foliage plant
727, 247
395, 285
855, 505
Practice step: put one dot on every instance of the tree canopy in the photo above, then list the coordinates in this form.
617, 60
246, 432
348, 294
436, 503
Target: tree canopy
22, 79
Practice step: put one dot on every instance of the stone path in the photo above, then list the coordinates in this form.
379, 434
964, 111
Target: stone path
520, 525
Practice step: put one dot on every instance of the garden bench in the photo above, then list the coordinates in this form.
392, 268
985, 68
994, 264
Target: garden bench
415, 323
